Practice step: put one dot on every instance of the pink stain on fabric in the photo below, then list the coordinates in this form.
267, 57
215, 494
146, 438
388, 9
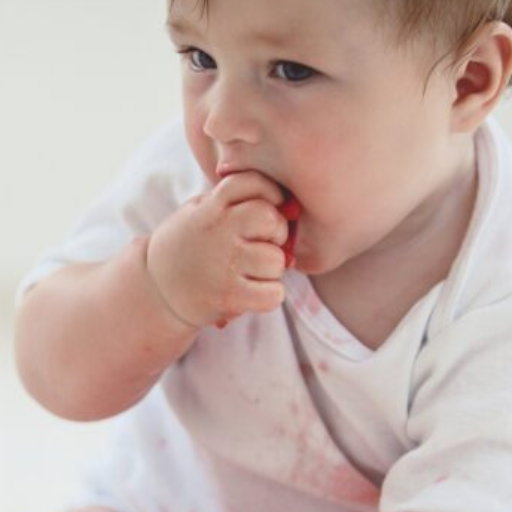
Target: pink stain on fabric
308, 302
313, 467
294, 409
323, 367
307, 371
348, 483
314, 304
342, 484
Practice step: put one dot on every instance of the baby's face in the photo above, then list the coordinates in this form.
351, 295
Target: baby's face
309, 93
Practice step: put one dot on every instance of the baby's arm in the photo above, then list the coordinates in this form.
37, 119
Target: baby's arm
93, 338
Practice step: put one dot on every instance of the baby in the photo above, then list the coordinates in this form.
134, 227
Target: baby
299, 298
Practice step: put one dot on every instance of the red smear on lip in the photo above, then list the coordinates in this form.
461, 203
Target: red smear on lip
290, 209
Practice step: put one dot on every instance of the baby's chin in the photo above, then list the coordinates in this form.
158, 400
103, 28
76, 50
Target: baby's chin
310, 264
316, 263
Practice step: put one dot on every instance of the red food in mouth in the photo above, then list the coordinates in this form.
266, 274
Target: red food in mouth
290, 209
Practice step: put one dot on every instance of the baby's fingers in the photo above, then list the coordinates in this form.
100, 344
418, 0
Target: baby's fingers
246, 185
263, 296
259, 220
260, 261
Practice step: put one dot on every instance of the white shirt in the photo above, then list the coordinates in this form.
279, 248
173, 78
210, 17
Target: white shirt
288, 411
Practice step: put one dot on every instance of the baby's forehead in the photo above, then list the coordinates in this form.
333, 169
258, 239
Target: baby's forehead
282, 19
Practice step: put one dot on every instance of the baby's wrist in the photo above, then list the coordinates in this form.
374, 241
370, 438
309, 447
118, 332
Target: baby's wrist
173, 324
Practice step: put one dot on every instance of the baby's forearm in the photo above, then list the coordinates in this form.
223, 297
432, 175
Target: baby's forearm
92, 339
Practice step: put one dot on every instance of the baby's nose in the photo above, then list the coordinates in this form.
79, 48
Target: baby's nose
232, 114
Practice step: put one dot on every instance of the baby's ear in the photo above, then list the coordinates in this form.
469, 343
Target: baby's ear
481, 75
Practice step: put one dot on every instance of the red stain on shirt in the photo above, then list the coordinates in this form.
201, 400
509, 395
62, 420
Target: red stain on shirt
309, 302
347, 482
295, 409
307, 370
342, 483
314, 304
314, 468
323, 366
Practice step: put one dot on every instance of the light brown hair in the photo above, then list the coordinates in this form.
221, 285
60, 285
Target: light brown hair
451, 22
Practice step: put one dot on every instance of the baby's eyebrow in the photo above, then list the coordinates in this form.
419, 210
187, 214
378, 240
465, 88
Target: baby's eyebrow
273, 38
267, 37
177, 26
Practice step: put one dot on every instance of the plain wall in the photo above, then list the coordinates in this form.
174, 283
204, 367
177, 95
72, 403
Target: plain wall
82, 84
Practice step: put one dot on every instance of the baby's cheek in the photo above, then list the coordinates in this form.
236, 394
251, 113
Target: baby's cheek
313, 172
201, 147
314, 152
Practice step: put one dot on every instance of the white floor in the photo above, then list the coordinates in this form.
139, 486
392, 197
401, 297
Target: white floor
39, 454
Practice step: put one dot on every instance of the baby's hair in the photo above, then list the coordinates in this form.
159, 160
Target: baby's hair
450, 22
453, 20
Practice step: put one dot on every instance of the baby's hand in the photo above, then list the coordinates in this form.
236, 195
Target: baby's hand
220, 255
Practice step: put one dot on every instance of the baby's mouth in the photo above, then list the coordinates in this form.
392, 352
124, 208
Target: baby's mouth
291, 210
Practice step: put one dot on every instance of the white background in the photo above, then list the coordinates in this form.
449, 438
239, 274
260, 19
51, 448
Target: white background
82, 83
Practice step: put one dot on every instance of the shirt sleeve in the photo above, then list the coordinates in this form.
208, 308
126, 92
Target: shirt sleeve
460, 420
159, 177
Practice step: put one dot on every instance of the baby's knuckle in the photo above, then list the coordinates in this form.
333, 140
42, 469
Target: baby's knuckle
222, 190
256, 178
273, 298
270, 216
265, 218
271, 258
279, 295
278, 256
233, 300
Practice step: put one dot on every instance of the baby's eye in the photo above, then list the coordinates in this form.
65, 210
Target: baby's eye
199, 60
293, 71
